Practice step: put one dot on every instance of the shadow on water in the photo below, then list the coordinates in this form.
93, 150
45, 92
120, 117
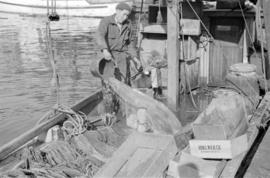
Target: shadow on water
26, 72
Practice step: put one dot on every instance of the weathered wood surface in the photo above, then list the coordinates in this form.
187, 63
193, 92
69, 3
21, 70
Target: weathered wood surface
233, 165
266, 15
142, 155
173, 47
259, 166
15, 144
163, 120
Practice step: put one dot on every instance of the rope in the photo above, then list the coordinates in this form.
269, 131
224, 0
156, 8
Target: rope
183, 58
139, 35
75, 124
48, 8
54, 7
108, 119
55, 79
51, 11
204, 26
253, 46
159, 16
246, 25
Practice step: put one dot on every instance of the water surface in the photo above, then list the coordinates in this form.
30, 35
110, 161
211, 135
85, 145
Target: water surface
25, 70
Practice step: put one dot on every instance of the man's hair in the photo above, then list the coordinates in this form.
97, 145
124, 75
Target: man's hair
123, 6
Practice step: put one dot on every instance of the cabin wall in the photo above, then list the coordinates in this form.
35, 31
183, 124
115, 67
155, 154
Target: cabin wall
206, 60
231, 41
157, 40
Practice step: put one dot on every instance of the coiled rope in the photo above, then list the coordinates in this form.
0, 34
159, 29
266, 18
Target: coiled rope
75, 124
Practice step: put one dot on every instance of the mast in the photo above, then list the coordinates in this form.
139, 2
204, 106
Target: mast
173, 54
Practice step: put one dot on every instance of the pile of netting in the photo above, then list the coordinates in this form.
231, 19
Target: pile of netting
81, 156
82, 149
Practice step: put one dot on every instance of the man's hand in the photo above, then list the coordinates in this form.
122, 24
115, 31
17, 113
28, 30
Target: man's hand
138, 63
107, 54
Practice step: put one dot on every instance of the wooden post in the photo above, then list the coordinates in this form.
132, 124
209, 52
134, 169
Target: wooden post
266, 15
173, 48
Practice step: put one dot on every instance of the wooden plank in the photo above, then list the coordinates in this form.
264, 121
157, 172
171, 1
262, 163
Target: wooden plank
162, 119
233, 165
16, 143
259, 166
127, 160
173, 48
157, 28
190, 27
138, 162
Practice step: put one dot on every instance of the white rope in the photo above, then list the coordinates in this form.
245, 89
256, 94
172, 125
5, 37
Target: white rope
75, 124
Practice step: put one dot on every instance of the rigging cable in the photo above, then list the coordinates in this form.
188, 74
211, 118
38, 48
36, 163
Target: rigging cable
139, 28
51, 11
246, 25
204, 26
253, 46
48, 11
55, 78
183, 56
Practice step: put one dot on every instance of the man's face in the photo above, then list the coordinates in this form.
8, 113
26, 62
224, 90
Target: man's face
122, 15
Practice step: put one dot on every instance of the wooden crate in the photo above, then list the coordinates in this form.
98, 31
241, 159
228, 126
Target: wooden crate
190, 27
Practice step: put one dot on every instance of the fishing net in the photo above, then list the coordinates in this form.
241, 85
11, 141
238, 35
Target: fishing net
81, 155
56, 159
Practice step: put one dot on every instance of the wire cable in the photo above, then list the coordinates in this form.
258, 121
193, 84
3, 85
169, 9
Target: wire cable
204, 26
183, 56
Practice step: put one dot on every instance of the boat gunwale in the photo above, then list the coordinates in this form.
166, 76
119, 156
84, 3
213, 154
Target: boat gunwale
19, 142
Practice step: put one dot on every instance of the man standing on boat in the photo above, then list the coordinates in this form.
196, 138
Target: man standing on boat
114, 37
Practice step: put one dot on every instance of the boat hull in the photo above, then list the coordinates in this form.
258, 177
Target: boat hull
80, 8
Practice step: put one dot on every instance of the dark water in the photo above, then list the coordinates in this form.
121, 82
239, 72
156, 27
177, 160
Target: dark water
25, 71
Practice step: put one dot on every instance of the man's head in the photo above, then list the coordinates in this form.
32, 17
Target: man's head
122, 12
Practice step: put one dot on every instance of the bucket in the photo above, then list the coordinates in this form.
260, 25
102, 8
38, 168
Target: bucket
224, 93
97, 67
243, 69
246, 72
244, 78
